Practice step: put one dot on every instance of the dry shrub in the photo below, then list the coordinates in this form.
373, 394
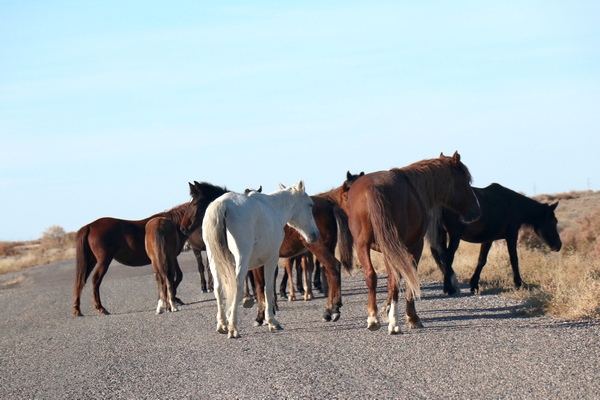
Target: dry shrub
55, 245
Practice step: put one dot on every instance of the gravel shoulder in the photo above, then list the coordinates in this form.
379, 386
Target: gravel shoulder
470, 347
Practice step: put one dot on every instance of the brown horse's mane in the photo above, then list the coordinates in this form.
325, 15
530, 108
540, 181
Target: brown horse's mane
433, 179
175, 214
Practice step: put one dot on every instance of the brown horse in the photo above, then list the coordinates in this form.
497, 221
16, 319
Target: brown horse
105, 239
163, 244
333, 227
390, 211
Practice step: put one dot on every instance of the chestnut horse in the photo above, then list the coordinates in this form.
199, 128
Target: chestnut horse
333, 227
503, 212
390, 211
105, 239
163, 244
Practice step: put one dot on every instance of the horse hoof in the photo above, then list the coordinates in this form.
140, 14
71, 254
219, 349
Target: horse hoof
248, 302
335, 317
221, 329
233, 335
275, 327
258, 323
102, 311
373, 326
415, 325
395, 330
327, 316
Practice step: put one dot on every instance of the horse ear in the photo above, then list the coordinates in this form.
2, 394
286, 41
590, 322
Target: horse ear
300, 186
348, 175
260, 189
553, 206
442, 154
281, 186
192, 189
456, 158
361, 173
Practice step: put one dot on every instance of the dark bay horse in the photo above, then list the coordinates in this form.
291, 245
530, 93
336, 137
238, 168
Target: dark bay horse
163, 245
332, 224
390, 211
503, 212
105, 239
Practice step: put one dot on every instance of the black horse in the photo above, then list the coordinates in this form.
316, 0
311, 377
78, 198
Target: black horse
503, 213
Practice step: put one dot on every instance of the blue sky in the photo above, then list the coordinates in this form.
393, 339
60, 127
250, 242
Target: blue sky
110, 108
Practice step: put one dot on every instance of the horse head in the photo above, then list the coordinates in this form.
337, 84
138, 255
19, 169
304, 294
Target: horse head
202, 195
350, 179
547, 227
302, 218
463, 199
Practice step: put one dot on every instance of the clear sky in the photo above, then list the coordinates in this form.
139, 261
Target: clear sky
110, 108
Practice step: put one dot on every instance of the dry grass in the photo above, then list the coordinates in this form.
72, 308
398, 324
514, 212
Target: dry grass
562, 285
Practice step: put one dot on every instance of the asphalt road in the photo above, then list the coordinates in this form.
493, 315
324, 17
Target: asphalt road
471, 347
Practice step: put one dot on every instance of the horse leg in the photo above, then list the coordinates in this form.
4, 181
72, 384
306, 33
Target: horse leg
412, 318
511, 244
201, 269
317, 276
259, 279
364, 257
96, 282
289, 267
299, 273
283, 284
250, 283
391, 304
80, 283
483, 253
451, 286
269, 273
218, 292
176, 280
307, 269
174, 277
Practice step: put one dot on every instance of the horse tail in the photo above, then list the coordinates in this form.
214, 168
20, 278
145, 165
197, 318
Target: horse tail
83, 255
345, 242
400, 262
214, 231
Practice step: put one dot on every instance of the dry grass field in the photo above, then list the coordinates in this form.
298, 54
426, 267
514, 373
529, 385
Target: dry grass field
561, 285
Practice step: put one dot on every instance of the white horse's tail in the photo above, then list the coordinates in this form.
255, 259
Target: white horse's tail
215, 237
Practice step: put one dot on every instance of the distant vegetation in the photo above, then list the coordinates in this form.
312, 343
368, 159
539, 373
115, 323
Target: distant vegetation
563, 285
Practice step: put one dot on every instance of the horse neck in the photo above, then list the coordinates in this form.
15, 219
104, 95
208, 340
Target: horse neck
282, 206
531, 211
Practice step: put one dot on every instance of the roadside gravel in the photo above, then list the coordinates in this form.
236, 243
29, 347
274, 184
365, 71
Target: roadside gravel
471, 347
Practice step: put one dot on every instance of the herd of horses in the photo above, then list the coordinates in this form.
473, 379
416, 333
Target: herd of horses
245, 235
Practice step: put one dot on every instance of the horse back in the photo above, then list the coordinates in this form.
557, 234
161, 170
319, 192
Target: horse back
403, 204
502, 212
120, 239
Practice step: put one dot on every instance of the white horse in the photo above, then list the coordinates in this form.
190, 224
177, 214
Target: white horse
244, 232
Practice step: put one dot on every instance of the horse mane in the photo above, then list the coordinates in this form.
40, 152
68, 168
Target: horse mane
206, 187
433, 179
